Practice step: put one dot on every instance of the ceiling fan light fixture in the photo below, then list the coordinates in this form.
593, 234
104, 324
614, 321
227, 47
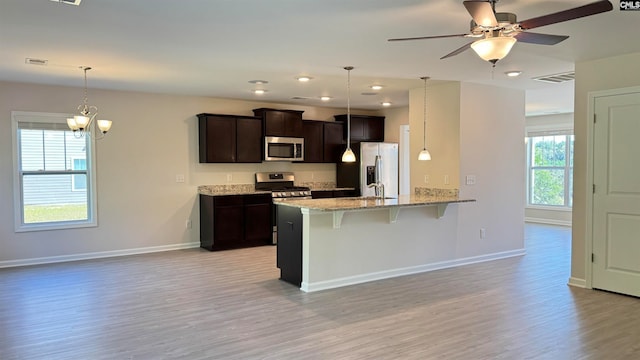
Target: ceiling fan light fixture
493, 49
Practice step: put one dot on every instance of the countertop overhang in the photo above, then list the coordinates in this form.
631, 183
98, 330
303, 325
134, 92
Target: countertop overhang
338, 206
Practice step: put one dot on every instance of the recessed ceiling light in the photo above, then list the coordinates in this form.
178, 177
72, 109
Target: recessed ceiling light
513, 73
259, 91
386, 103
304, 78
325, 98
376, 87
258, 82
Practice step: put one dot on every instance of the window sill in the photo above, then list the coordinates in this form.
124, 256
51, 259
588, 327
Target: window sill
54, 226
549, 208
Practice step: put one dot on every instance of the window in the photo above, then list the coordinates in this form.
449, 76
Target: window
550, 169
54, 177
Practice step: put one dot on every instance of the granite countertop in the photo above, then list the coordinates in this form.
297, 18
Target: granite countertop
223, 190
358, 203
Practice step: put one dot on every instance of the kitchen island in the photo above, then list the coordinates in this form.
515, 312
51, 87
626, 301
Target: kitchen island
328, 243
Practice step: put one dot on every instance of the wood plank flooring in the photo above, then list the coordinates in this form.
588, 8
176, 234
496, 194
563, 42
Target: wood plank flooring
195, 304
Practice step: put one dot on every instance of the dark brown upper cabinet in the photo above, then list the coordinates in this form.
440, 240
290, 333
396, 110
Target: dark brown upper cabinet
287, 123
229, 138
364, 127
322, 141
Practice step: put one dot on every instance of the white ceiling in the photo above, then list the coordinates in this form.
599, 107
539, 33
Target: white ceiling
213, 48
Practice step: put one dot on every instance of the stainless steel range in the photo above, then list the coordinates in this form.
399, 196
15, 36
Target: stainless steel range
281, 185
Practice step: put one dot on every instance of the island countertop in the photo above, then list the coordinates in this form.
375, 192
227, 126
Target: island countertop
360, 203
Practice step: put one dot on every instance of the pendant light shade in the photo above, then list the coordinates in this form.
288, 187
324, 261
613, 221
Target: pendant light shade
424, 155
493, 49
348, 155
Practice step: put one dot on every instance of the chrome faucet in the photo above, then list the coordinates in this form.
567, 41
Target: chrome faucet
377, 181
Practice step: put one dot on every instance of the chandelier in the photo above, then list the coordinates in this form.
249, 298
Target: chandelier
84, 123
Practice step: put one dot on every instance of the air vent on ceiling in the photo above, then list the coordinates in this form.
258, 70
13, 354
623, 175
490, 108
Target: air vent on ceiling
299, 98
369, 93
557, 78
32, 61
68, 2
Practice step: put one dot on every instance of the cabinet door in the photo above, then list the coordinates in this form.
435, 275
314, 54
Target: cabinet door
293, 124
334, 145
273, 123
257, 217
228, 222
249, 140
374, 128
313, 134
217, 139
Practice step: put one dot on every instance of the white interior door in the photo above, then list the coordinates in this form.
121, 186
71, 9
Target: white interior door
616, 198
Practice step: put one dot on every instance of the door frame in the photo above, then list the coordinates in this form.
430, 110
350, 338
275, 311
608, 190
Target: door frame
588, 243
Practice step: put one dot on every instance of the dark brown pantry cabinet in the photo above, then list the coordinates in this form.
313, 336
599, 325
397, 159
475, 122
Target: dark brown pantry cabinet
323, 141
235, 221
364, 127
229, 138
287, 123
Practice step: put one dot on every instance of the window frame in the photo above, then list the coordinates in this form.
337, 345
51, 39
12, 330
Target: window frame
18, 195
568, 167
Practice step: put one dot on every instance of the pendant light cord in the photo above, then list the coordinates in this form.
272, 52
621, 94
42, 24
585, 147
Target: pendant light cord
424, 129
348, 68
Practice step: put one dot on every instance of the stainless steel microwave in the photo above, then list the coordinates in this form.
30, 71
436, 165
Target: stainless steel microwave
278, 148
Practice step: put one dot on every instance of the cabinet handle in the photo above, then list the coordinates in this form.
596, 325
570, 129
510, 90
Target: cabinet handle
290, 224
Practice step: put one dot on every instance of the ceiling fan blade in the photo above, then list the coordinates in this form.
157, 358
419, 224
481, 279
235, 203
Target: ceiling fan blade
540, 39
429, 37
481, 12
458, 50
575, 13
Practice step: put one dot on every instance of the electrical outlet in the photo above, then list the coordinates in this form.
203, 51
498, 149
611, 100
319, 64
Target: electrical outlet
446, 179
471, 179
426, 179
188, 224
483, 233
229, 177
179, 178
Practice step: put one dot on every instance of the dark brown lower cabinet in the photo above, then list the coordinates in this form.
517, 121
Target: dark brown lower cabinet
325, 194
235, 221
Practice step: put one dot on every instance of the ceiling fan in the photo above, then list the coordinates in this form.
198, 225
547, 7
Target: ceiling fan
497, 32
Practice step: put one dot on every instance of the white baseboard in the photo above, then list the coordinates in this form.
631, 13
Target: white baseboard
547, 221
97, 255
577, 282
380, 275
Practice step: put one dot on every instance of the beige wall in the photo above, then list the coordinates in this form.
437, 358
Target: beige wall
603, 74
443, 135
153, 139
392, 121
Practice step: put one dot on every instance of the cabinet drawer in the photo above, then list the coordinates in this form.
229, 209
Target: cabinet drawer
231, 200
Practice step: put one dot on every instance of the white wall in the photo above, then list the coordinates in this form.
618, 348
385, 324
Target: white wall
140, 205
491, 148
603, 74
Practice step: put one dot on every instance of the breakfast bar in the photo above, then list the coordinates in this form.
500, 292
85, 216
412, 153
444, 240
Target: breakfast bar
328, 243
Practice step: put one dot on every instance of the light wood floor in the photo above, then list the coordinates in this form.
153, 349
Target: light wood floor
194, 304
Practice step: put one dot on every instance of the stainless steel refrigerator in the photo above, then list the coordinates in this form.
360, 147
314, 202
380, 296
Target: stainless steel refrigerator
371, 158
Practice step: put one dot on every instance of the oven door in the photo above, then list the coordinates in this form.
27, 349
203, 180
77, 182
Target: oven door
283, 149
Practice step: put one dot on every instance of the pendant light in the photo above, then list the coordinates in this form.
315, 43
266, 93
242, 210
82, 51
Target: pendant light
348, 155
424, 154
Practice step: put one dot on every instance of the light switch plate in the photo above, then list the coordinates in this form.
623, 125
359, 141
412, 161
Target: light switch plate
179, 178
470, 179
